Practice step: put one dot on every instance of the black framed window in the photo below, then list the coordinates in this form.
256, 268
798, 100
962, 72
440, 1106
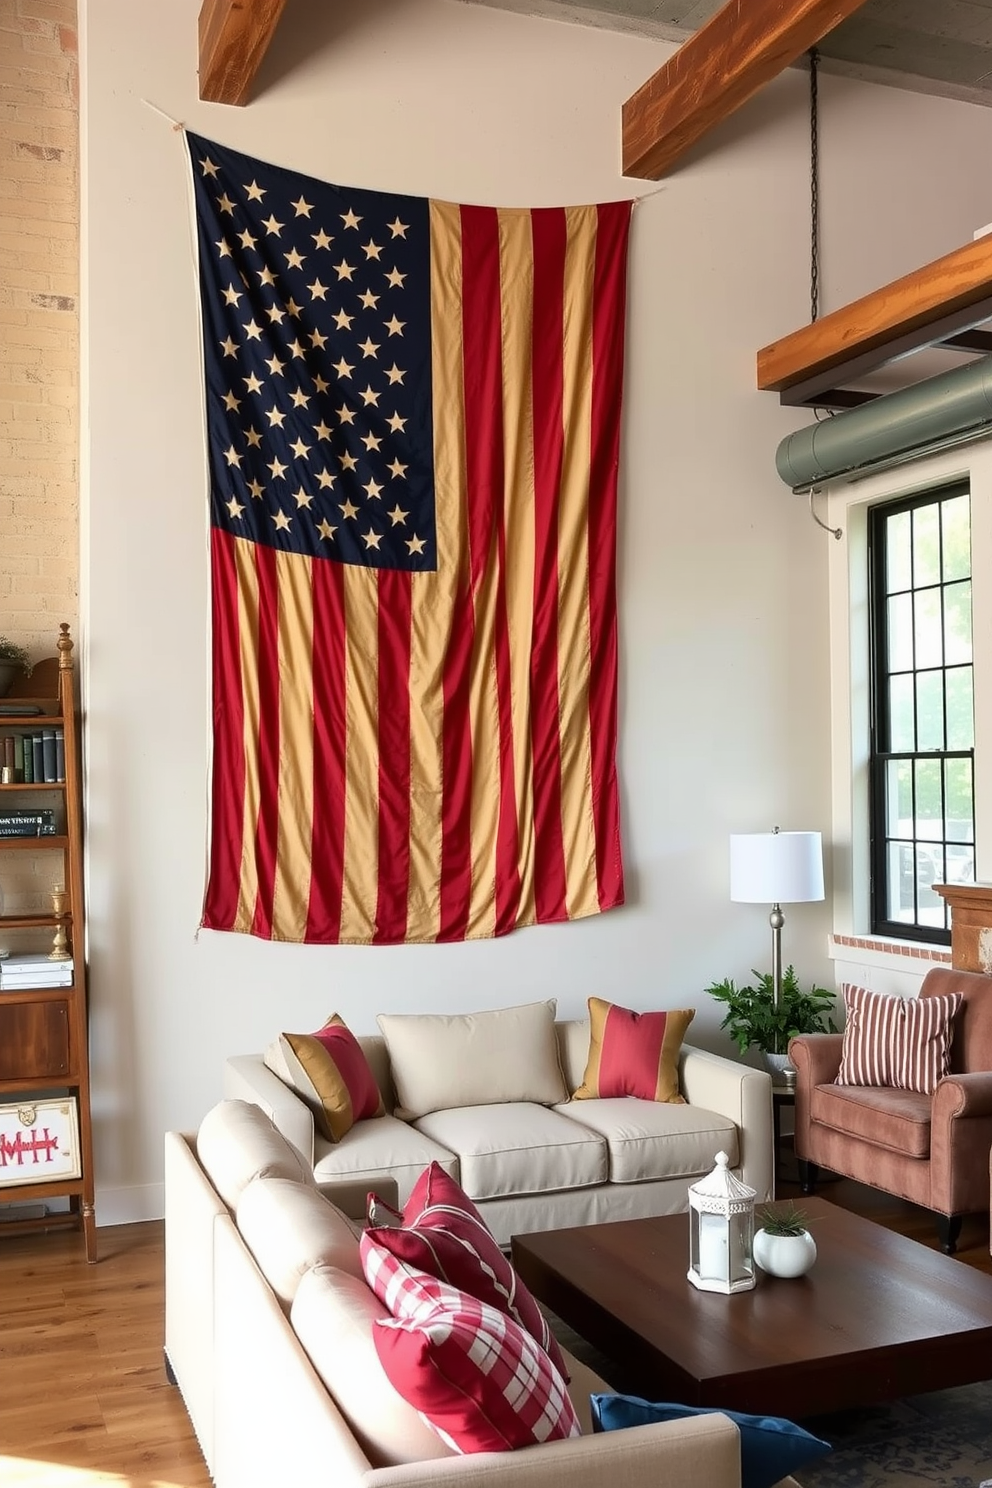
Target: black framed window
923, 731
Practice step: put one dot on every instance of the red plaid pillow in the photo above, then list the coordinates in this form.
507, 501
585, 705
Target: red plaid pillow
480, 1381
443, 1234
902, 1042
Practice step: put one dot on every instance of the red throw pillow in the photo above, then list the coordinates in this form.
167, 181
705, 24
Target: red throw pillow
443, 1235
633, 1053
901, 1042
480, 1381
331, 1073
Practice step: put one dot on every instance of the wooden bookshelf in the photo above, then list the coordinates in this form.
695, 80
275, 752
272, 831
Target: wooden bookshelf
43, 1029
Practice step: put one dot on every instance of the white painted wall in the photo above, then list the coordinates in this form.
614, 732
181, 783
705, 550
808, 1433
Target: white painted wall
724, 709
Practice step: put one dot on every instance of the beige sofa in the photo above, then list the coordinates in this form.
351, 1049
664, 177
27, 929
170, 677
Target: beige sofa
268, 1329
528, 1165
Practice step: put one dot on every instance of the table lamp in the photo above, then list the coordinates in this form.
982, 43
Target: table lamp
776, 868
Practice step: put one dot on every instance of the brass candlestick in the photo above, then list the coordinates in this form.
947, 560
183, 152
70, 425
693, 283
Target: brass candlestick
60, 940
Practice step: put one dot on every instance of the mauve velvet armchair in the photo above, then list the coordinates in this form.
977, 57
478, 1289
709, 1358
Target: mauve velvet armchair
933, 1150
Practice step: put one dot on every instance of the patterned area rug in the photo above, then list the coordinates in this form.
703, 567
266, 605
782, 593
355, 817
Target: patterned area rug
939, 1440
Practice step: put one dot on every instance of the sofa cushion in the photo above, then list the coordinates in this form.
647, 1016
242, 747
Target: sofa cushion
372, 1148
237, 1143
517, 1149
330, 1073
771, 1447
633, 1053
473, 1059
646, 1140
901, 1042
480, 1380
443, 1234
898, 1120
333, 1315
289, 1227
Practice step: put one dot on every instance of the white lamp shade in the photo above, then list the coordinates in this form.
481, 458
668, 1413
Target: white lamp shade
776, 867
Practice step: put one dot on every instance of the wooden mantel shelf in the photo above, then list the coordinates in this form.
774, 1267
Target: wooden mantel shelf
971, 925
938, 304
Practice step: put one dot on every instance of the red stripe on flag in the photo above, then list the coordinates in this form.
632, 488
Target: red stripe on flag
481, 371
228, 779
607, 375
550, 242
329, 743
507, 839
269, 738
394, 640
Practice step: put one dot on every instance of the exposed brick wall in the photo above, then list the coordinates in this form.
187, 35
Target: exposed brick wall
39, 321
39, 352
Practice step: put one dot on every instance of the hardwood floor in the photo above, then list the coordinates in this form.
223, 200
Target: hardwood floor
83, 1393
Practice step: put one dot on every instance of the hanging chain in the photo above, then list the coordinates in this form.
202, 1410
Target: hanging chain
814, 189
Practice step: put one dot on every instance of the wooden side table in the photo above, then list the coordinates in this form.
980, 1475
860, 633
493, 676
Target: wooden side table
782, 1095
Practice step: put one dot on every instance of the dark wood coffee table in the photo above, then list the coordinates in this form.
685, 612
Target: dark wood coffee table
878, 1316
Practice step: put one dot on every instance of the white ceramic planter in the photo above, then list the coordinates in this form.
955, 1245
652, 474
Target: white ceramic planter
784, 1255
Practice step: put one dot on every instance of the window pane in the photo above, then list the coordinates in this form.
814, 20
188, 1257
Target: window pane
902, 883
928, 629
901, 633
958, 795
899, 798
926, 545
956, 520
957, 622
898, 573
960, 708
929, 710
929, 800
902, 733
960, 863
923, 709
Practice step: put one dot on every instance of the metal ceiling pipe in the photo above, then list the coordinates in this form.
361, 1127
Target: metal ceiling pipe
895, 423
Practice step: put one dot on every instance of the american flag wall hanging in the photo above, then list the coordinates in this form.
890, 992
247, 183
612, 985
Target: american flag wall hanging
413, 414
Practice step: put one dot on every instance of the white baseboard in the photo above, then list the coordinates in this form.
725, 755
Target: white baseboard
116, 1206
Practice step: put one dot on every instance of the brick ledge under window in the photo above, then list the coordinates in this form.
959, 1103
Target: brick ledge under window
906, 948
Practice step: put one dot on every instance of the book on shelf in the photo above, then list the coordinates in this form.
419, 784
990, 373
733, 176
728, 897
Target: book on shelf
25, 961
19, 972
39, 823
50, 973
35, 757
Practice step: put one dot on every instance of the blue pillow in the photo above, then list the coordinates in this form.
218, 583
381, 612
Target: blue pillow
771, 1448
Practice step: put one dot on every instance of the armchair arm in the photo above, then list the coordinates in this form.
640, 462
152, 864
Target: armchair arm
742, 1094
248, 1078
960, 1139
816, 1057
963, 1095
702, 1449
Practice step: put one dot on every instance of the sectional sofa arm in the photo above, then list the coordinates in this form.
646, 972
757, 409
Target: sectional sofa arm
680, 1454
248, 1078
743, 1095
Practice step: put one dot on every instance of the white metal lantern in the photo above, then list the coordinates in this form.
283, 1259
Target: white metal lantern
721, 1231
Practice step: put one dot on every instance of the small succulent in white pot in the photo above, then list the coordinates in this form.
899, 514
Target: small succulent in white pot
783, 1245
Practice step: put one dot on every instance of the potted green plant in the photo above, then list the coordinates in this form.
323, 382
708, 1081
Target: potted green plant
753, 1020
783, 1245
14, 662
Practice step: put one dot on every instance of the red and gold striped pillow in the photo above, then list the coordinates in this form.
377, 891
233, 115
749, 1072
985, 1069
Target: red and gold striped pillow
901, 1042
331, 1073
633, 1053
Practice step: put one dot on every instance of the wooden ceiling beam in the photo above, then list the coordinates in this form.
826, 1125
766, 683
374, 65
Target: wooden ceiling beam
930, 306
234, 37
731, 57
